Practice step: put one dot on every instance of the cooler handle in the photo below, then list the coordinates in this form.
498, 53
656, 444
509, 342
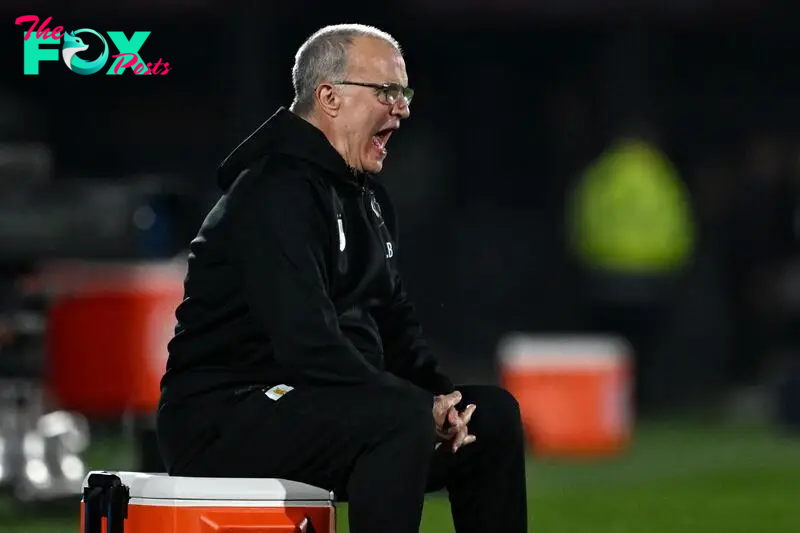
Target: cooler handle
306, 526
105, 497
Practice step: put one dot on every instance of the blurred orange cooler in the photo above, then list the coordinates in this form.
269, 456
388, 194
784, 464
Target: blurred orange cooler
108, 329
574, 392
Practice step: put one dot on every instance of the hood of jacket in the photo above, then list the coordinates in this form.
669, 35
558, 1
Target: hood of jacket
285, 133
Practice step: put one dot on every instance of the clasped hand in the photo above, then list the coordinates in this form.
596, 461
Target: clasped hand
451, 426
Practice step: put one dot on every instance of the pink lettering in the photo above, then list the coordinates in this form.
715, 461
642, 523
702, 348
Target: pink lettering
43, 29
134, 58
122, 64
43, 32
27, 18
155, 68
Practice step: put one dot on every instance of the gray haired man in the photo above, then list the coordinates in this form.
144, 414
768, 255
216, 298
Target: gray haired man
297, 353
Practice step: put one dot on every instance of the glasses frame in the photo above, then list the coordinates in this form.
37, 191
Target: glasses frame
381, 88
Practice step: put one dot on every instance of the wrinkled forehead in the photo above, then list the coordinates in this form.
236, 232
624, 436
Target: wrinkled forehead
376, 61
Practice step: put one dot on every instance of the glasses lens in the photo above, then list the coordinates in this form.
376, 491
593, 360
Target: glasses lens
390, 95
386, 95
408, 93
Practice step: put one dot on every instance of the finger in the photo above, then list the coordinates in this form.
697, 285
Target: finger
469, 439
447, 403
454, 418
441, 407
445, 434
466, 414
449, 433
459, 439
452, 399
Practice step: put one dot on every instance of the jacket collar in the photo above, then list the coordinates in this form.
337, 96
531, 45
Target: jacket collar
288, 134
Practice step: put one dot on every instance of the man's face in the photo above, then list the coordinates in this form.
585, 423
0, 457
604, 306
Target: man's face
365, 122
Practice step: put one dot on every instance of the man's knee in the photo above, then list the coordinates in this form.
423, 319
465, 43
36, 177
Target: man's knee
499, 409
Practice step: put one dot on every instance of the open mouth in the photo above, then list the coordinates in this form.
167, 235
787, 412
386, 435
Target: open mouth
380, 139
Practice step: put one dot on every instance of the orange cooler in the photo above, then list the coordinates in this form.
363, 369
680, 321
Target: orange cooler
108, 329
157, 503
574, 393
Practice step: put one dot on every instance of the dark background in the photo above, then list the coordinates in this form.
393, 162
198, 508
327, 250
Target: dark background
514, 99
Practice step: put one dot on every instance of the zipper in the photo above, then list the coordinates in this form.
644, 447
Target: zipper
367, 195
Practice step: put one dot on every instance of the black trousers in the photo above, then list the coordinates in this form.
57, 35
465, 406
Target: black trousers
373, 446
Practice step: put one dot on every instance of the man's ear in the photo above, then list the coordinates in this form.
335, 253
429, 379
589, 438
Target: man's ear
328, 99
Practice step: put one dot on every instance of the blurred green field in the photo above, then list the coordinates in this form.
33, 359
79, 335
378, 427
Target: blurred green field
678, 478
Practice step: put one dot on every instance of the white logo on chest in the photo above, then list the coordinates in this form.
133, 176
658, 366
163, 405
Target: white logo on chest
342, 239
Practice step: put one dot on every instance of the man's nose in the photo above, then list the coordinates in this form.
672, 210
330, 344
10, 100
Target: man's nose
401, 109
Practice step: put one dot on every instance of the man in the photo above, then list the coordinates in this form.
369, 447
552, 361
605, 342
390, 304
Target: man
297, 354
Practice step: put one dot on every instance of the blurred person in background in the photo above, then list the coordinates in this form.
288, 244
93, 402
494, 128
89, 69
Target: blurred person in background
631, 227
297, 353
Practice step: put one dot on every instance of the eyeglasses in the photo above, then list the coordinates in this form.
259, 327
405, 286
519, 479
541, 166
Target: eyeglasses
388, 93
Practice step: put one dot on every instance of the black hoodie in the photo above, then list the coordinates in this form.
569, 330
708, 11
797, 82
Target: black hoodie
292, 277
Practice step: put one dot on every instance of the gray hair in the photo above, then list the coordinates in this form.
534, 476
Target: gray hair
323, 57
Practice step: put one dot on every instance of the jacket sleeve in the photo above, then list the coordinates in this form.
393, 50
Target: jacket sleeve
280, 237
406, 351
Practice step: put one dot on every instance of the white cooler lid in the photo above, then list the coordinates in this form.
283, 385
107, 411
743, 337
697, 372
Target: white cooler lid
162, 486
521, 350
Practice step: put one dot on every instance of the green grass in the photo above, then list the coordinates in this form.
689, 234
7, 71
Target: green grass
677, 478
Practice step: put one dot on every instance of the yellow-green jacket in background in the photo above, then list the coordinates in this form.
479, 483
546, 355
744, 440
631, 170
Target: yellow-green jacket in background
631, 213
